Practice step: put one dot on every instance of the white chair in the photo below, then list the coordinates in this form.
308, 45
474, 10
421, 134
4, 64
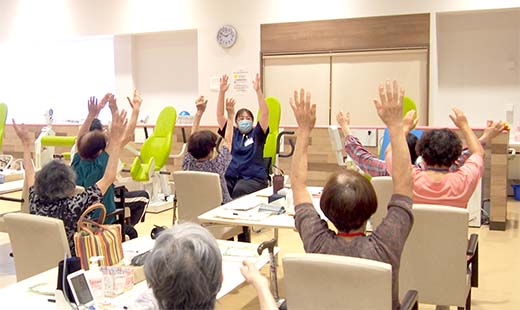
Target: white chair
384, 189
197, 192
321, 281
435, 257
38, 243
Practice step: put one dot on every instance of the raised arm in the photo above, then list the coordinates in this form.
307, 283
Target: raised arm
224, 86
263, 121
261, 285
201, 104
230, 110
305, 114
389, 108
344, 122
27, 141
116, 138
460, 120
365, 160
135, 104
492, 130
93, 111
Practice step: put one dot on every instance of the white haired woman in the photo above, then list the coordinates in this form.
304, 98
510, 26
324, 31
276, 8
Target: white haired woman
184, 271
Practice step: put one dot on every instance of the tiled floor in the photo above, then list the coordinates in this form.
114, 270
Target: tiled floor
499, 267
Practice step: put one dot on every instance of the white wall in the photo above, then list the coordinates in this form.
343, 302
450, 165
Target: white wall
37, 20
478, 65
165, 71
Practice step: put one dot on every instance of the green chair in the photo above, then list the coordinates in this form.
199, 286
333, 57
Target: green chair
275, 112
156, 149
3, 117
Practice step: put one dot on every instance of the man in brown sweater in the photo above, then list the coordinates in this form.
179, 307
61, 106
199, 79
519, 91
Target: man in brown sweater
348, 199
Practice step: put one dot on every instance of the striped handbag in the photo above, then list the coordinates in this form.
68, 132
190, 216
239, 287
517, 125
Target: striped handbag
95, 239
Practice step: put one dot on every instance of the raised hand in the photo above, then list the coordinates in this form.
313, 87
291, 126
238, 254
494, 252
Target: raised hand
458, 118
112, 103
390, 104
224, 85
136, 101
492, 130
256, 84
104, 100
344, 122
230, 106
94, 107
304, 112
409, 121
23, 134
118, 126
201, 104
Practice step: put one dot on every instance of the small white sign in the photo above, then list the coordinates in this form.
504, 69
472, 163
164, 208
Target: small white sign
241, 81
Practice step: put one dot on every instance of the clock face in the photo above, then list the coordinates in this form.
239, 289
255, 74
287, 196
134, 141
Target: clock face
226, 36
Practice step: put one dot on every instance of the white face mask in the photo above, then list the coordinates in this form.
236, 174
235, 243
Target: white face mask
245, 126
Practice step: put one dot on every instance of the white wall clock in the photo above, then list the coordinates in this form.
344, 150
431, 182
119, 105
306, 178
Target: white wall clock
227, 36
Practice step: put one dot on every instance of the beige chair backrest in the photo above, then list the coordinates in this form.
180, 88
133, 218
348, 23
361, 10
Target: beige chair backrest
434, 261
384, 188
38, 243
321, 281
198, 192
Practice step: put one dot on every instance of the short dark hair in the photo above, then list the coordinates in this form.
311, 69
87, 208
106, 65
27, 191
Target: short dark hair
91, 143
348, 200
55, 181
201, 143
439, 147
95, 125
242, 111
411, 140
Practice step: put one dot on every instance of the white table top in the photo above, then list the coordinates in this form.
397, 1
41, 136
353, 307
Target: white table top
248, 218
9, 187
18, 295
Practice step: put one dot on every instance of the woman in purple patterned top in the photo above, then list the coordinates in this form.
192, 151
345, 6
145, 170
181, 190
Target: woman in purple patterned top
202, 155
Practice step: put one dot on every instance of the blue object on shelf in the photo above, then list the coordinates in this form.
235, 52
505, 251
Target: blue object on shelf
516, 189
386, 140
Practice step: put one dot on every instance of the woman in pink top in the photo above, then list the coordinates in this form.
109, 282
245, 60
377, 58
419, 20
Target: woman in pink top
439, 149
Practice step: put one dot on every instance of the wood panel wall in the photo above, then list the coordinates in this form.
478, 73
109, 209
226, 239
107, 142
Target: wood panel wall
354, 34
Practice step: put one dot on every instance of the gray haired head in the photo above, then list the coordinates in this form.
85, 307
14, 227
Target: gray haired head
184, 269
55, 181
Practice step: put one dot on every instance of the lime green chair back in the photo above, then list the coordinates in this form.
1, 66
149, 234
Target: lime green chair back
3, 117
409, 104
275, 112
58, 141
156, 149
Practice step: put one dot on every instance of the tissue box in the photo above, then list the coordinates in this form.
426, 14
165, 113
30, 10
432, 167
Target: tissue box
138, 273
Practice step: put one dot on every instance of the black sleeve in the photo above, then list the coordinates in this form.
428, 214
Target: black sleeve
222, 132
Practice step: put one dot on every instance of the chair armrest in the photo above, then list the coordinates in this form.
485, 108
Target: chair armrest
472, 245
410, 301
119, 213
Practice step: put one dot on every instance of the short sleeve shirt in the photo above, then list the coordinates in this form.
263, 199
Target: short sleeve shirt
89, 172
247, 154
68, 209
218, 165
454, 189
